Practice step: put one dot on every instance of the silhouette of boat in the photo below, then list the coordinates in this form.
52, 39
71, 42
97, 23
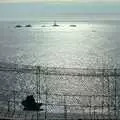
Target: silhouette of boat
18, 26
55, 25
28, 25
72, 25
43, 26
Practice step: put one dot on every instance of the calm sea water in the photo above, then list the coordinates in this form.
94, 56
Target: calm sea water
89, 44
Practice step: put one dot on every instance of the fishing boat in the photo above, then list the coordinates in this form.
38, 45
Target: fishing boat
18, 26
72, 25
43, 26
55, 25
28, 25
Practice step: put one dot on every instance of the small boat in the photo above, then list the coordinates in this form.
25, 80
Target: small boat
28, 25
43, 26
18, 26
55, 25
72, 25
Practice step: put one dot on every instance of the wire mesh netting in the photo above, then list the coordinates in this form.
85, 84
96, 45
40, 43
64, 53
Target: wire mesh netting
66, 93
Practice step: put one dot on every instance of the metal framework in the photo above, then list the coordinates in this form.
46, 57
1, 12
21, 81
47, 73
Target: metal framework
66, 93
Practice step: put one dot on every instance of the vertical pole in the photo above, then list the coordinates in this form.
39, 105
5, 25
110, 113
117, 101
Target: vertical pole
46, 91
65, 108
14, 99
108, 97
46, 107
38, 86
94, 108
102, 78
115, 94
94, 113
37, 72
102, 106
8, 104
99, 107
90, 105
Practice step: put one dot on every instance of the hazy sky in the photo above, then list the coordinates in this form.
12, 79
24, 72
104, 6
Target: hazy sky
5, 1
34, 9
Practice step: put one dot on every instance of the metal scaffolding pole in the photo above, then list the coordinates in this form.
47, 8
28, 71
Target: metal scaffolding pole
115, 73
65, 108
46, 97
14, 99
8, 104
38, 86
103, 94
90, 107
109, 102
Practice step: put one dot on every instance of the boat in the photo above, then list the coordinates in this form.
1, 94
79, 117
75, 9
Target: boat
18, 26
28, 25
72, 25
55, 25
43, 26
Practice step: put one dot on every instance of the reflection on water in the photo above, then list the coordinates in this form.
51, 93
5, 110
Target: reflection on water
87, 45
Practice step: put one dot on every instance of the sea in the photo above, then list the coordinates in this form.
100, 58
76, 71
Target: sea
84, 44
90, 44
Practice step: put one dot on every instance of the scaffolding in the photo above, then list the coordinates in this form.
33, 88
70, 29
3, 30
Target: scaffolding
66, 93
